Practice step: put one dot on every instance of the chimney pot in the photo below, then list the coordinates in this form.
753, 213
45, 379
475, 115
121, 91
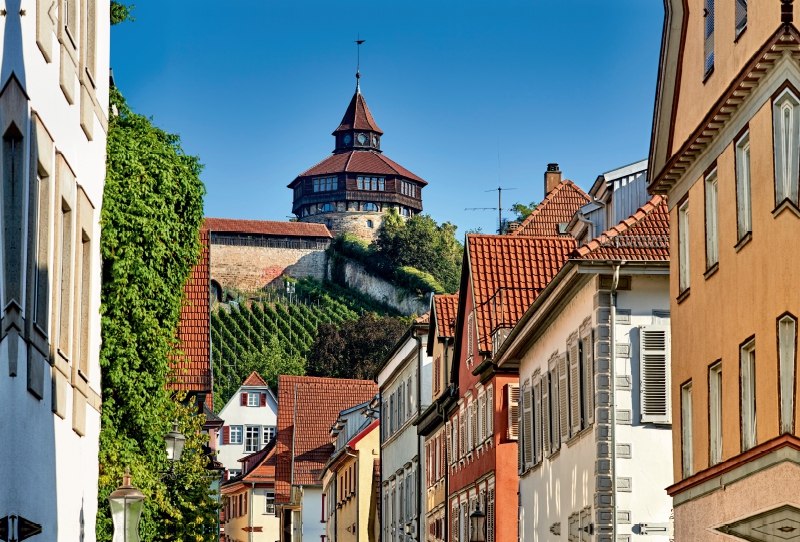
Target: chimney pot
552, 177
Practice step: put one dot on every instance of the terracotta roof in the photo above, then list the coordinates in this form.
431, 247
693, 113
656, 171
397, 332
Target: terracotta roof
192, 371
358, 116
556, 208
508, 273
267, 227
258, 467
354, 161
307, 407
644, 236
254, 380
424, 319
446, 309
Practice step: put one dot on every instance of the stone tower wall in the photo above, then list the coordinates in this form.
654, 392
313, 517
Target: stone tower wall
354, 222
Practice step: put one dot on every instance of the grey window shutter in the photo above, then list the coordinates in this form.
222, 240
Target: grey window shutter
574, 388
563, 399
520, 442
526, 441
489, 411
537, 421
513, 411
587, 349
654, 371
546, 422
448, 444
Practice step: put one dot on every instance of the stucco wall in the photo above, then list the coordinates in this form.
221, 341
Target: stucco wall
356, 277
252, 268
233, 413
313, 526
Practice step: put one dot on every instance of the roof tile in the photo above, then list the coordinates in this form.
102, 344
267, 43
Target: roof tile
254, 380
267, 227
354, 161
557, 207
358, 116
446, 309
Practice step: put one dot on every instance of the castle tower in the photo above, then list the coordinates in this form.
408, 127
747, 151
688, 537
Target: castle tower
351, 190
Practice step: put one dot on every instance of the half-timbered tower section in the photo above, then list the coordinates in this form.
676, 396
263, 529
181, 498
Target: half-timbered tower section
725, 148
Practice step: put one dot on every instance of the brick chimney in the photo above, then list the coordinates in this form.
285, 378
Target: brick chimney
551, 178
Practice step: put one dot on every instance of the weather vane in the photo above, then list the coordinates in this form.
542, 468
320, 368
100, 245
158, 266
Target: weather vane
358, 42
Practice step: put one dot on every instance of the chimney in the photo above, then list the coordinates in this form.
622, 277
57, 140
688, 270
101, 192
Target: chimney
551, 178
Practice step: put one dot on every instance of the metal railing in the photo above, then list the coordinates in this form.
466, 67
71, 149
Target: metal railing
637, 241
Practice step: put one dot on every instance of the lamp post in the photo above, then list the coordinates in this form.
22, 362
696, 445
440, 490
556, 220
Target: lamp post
477, 524
126, 510
175, 441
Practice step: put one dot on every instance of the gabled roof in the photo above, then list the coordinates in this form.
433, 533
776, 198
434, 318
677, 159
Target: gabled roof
308, 406
445, 309
267, 227
358, 116
507, 274
254, 380
356, 161
556, 208
258, 467
192, 371
644, 237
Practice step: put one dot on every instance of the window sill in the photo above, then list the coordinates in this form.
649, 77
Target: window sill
743, 241
740, 33
786, 204
683, 295
708, 74
711, 271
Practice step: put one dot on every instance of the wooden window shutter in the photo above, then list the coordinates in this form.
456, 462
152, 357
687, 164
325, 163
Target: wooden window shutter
520, 446
462, 434
226, 434
436, 374
470, 333
263, 399
654, 388
563, 399
536, 441
449, 444
442, 455
526, 441
490, 411
490, 516
546, 414
474, 405
244, 399
513, 411
244, 503
587, 351
574, 388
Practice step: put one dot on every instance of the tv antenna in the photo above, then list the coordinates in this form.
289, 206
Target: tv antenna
499, 207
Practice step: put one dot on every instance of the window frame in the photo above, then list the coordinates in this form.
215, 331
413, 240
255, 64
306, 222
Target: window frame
787, 372
786, 172
712, 218
687, 426
744, 204
236, 430
267, 499
715, 399
250, 396
249, 442
708, 38
748, 398
684, 253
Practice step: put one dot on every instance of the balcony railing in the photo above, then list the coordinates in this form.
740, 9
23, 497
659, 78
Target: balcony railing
506, 307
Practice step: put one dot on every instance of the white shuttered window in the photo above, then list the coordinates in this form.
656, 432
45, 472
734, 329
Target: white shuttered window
574, 388
527, 438
748, 383
513, 411
654, 370
712, 220
686, 430
563, 399
744, 216
683, 246
715, 412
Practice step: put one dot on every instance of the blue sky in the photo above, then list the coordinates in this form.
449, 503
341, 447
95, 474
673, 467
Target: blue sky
255, 88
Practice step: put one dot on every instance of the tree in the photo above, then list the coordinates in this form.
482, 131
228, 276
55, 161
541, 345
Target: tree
120, 13
271, 361
150, 219
523, 211
355, 349
421, 243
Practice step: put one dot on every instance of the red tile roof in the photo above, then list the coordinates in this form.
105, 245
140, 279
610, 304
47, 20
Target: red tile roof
445, 310
366, 162
556, 208
192, 370
258, 467
358, 116
267, 227
307, 407
254, 380
424, 319
508, 273
643, 237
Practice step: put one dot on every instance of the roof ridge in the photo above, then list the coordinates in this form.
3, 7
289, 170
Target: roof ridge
346, 162
547, 198
626, 224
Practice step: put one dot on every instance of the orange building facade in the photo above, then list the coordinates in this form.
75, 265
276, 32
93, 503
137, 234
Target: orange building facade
725, 150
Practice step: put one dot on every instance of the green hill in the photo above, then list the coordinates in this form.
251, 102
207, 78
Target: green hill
246, 334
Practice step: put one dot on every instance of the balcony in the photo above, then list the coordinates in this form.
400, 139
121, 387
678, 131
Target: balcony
506, 307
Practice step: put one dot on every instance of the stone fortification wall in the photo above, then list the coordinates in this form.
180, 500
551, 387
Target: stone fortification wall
357, 278
253, 267
355, 222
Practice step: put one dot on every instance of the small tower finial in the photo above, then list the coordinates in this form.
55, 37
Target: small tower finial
359, 41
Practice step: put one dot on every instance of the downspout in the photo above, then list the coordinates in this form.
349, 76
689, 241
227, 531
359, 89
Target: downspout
417, 493
613, 361
585, 220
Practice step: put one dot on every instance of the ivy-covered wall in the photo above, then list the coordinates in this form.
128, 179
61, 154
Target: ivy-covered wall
151, 216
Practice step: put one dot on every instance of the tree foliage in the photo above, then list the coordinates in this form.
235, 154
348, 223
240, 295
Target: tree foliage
523, 211
151, 215
354, 349
120, 13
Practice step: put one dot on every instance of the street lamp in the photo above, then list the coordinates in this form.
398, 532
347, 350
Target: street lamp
175, 441
477, 523
126, 510
290, 289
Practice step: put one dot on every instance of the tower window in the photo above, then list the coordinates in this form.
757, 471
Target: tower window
372, 183
369, 207
326, 184
327, 208
370, 224
405, 211
408, 189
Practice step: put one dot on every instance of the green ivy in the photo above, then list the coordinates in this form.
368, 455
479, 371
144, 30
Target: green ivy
151, 215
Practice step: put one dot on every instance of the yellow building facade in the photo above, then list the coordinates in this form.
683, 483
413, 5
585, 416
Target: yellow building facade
725, 150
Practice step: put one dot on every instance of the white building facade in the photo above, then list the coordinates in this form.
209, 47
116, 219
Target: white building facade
54, 88
594, 415
405, 390
250, 420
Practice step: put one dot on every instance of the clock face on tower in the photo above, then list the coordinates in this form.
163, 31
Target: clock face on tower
347, 139
362, 138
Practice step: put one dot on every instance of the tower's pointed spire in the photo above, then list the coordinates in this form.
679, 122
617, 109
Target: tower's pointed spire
359, 41
358, 82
